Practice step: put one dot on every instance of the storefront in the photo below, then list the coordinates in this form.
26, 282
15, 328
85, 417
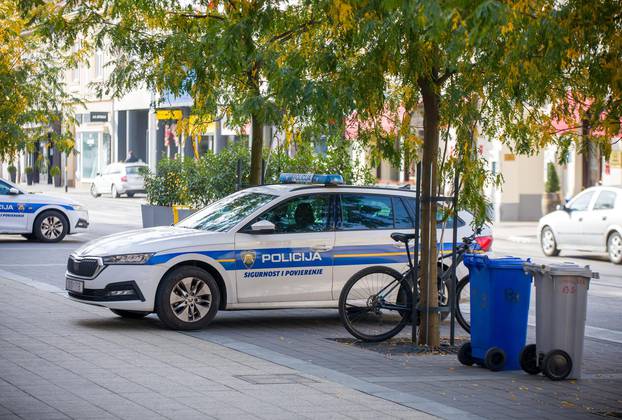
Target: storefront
93, 143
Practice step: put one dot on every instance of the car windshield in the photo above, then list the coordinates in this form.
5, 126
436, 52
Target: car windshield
226, 213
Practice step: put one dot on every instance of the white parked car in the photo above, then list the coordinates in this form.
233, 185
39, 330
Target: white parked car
119, 178
591, 221
38, 216
267, 247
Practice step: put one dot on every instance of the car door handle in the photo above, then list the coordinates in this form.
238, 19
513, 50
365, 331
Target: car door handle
321, 248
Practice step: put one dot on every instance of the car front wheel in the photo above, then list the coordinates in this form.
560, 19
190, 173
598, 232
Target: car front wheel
548, 242
614, 247
187, 299
94, 192
50, 226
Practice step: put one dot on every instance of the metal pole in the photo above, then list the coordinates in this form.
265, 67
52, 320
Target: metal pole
263, 171
454, 281
238, 186
415, 273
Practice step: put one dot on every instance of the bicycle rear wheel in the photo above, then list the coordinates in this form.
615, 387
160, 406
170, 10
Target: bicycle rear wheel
463, 308
375, 304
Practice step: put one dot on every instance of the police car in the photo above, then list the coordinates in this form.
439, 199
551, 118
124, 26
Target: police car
38, 216
290, 245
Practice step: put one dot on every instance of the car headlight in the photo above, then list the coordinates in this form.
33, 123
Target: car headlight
133, 259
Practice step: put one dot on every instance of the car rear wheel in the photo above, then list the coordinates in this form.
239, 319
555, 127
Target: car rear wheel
187, 299
614, 247
130, 194
548, 242
50, 226
114, 192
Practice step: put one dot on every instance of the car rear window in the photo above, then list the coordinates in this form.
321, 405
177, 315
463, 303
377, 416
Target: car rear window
133, 170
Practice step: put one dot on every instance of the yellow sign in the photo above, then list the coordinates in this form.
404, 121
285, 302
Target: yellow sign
615, 160
168, 114
509, 157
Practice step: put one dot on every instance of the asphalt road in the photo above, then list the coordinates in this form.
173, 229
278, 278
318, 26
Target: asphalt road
46, 262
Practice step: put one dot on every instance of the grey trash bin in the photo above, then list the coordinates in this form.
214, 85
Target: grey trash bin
561, 304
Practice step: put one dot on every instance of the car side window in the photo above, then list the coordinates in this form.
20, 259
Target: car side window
605, 201
4, 188
302, 214
402, 218
582, 201
443, 221
365, 212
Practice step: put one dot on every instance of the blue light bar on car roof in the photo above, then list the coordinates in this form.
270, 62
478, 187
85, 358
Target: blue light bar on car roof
331, 179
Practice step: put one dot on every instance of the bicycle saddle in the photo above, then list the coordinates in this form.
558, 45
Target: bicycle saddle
402, 237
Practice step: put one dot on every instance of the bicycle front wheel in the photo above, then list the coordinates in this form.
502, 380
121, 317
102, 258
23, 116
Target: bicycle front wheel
375, 304
463, 308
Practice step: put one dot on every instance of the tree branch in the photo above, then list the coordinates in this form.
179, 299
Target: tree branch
288, 34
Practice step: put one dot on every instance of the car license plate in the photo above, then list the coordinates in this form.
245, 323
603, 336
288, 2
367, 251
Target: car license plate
75, 286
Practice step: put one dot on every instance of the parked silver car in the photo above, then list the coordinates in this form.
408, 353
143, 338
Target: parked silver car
591, 221
119, 178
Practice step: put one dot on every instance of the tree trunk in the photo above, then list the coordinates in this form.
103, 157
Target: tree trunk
429, 330
256, 150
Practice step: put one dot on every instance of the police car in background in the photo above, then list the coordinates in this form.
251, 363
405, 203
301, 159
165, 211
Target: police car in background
38, 216
290, 245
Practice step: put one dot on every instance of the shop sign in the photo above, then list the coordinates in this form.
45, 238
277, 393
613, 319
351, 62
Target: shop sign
99, 117
168, 114
509, 157
615, 160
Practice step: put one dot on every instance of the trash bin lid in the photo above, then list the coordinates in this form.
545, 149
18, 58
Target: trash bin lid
562, 269
481, 260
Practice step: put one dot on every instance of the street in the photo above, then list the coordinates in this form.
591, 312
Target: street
312, 342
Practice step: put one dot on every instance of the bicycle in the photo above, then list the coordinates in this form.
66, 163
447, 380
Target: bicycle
375, 303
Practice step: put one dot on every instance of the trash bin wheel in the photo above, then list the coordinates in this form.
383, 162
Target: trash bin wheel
557, 365
464, 354
529, 360
494, 359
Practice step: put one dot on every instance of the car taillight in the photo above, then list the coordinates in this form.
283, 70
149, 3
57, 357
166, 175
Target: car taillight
124, 178
484, 242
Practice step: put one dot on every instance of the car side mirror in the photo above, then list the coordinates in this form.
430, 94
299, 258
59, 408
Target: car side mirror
13, 191
262, 227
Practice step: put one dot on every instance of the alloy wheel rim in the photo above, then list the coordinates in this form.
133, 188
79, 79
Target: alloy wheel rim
615, 246
548, 242
190, 299
51, 227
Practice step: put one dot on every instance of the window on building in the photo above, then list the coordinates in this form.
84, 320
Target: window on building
605, 201
98, 70
75, 71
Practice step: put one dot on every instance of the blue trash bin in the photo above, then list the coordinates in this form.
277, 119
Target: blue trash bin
500, 291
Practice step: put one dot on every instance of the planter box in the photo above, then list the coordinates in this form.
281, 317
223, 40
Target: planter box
161, 215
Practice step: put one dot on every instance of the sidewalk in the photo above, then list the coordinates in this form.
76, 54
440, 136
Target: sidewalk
519, 232
60, 359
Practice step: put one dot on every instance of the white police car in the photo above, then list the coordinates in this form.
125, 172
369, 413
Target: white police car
274, 246
38, 216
